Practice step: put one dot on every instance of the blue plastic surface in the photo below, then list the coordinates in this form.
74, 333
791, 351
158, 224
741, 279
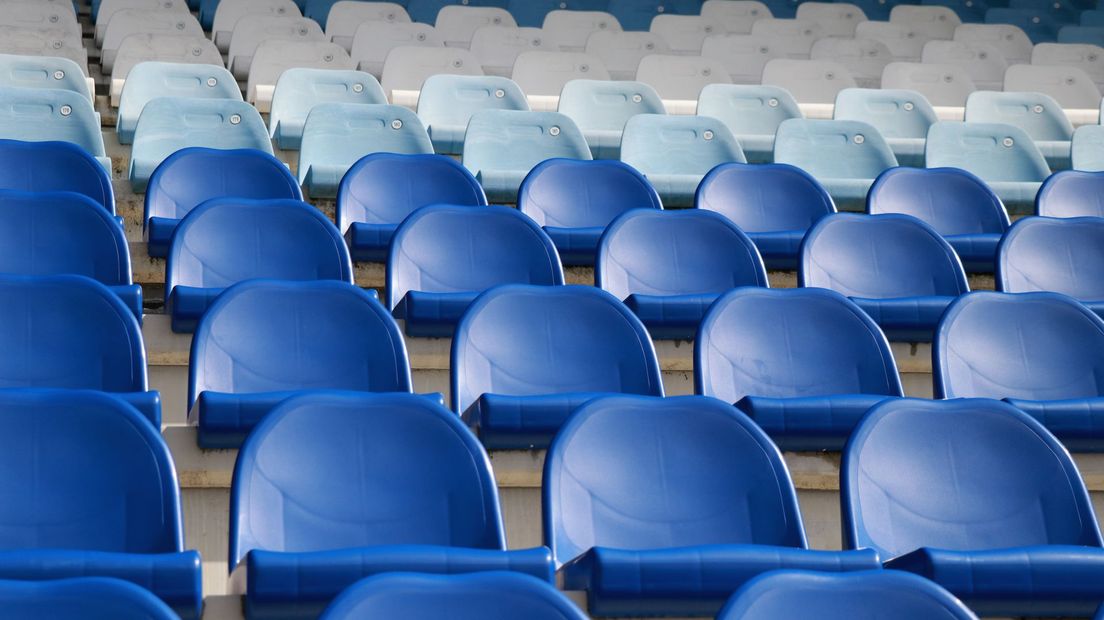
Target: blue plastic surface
675, 152
1061, 255
575, 200
89, 598
903, 117
337, 135
670, 266
524, 357
52, 115
229, 240
1037, 114
876, 595
446, 104
444, 256
957, 204
425, 11
404, 487
101, 496
805, 364
720, 507
1038, 24
150, 80
1071, 194
843, 156
192, 176
601, 108
774, 204
265, 340
54, 167
381, 189
978, 497
298, 90
1040, 351
895, 267
502, 146
753, 114
43, 72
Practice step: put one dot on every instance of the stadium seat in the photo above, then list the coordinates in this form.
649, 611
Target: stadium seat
91, 598
687, 535
172, 48
221, 23
300, 89
1040, 116
809, 81
1037, 24
941, 85
684, 34
253, 30
57, 29
805, 364
752, 113
905, 41
1062, 11
1071, 194
502, 146
1088, 58
601, 108
446, 104
408, 67
1003, 156
340, 19
543, 74
743, 56
1011, 40
675, 152
902, 117
497, 47
55, 167
735, 17
572, 29
575, 200
457, 23
337, 135
969, 533
109, 9
1038, 351
875, 595
382, 189
680, 78
668, 267
1069, 86
637, 14
47, 115
152, 22
275, 56
1093, 35
795, 36
621, 52
72, 454
384, 459
843, 156
444, 256
512, 337
1060, 255
895, 267
773, 204
957, 204
984, 63
33, 42
864, 59
228, 240
303, 337
374, 41
836, 19
26, 71
150, 80
1087, 149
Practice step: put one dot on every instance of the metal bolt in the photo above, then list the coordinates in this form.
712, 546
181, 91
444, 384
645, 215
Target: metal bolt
707, 134
53, 19
457, 63
948, 78
603, 25
358, 88
859, 138
829, 76
584, 68
1035, 19
496, 20
301, 31
196, 51
637, 98
59, 74
536, 42
563, 5
1038, 109
212, 82
235, 119
328, 58
706, 71
57, 45
499, 93
1008, 142
659, 9
649, 45
554, 131
66, 110
421, 36
772, 102
908, 106
180, 25
396, 124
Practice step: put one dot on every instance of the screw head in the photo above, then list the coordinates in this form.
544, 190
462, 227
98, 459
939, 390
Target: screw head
54, 19
421, 36
908, 106
636, 98
1035, 19
57, 45
1038, 109
859, 139
554, 131
499, 93
212, 82
59, 74
707, 134
328, 58
660, 9
1007, 143
982, 55
66, 110
457, 63
235, 119
358, 88
396, 124
180, 25
772, 102
496, 20
706, 71
301, 31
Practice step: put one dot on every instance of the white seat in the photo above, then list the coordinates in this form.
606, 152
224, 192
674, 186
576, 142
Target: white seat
1089, 58
572, 29
375, 40
742, 55
735, 16
497, 47
1010, 40
809, 81
621, 51
138, 48
836, 19
937, 22
252, 30
864, 59
275, 56
684, 33
985, 63
1071, 87
680, 78
230, 11
795, 36
903, 40
47, 17
108, 8
33, 42
346, 16
143, 21
457, 23
942, 85
406, 68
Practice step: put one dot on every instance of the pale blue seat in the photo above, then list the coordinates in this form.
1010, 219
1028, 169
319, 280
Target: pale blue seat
299, 90
601, 108
753, 113
1087, 149
52, 115
150, 80
903, 117
446, 104
1037, 114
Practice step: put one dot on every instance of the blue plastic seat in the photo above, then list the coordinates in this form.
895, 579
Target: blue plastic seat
676, 152
601, 108
1038, 24
99, 498
1071, 194
1087, 149
1039, 115
902, 117
843, 156
364, 484
168, 125
337, 135
54, 167
263, 341
150, 80
957, 204
90, 598
446, 104
478, 596
425, 11
1002, 155
382, 189
43, 72
194, 175
873, 595
524, 357
1041, 352
670, 266
774, 204
299, 90
1092, 35
52, 115
1060, 255
502, 146
725, 511
752, 113
444, 256
804, 364
575, 200
979, 498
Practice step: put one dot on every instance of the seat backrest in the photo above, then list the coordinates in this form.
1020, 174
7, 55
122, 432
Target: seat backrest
942, 85
408, 66
1089, 58
270, 335
150, 80
54, 43
984, 62
129, 22
452, 249
1071, 193
545, 73
274, 56
687, 252
570, 193
894, 113
344, 18
227, 13
530, 340
1010, 39
621, 52
1033, 346
1087, 148
175, 48
339, 134
1013, 462
91, 598
796, 36
457, 23
1038, 24
497, 47
1069, 86
905, 41
252, 31
573, 28
1037, 114
42, 72
791, 343
300, 89
748, 110
1062, 255
450, 100
660, 144
836, 19
950, 200
743, 56
765, 197
519, 140
680, 77
684, 33
992, 151
606, 105
54, 166
736, 16
809, 81
398, 469
46, 115
374, 40
864, 59
833, 149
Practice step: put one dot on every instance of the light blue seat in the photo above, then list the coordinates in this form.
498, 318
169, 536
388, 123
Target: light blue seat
1071, 193
150, 80
90, 598
903, 117
1087, 151
502, 146
299, 90
1037, 114
601, 108
1060, 255
43, 72
752, 113
446, 104
675, 152
843, 156
168, 125
337, 135
52, 115
1003, 156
